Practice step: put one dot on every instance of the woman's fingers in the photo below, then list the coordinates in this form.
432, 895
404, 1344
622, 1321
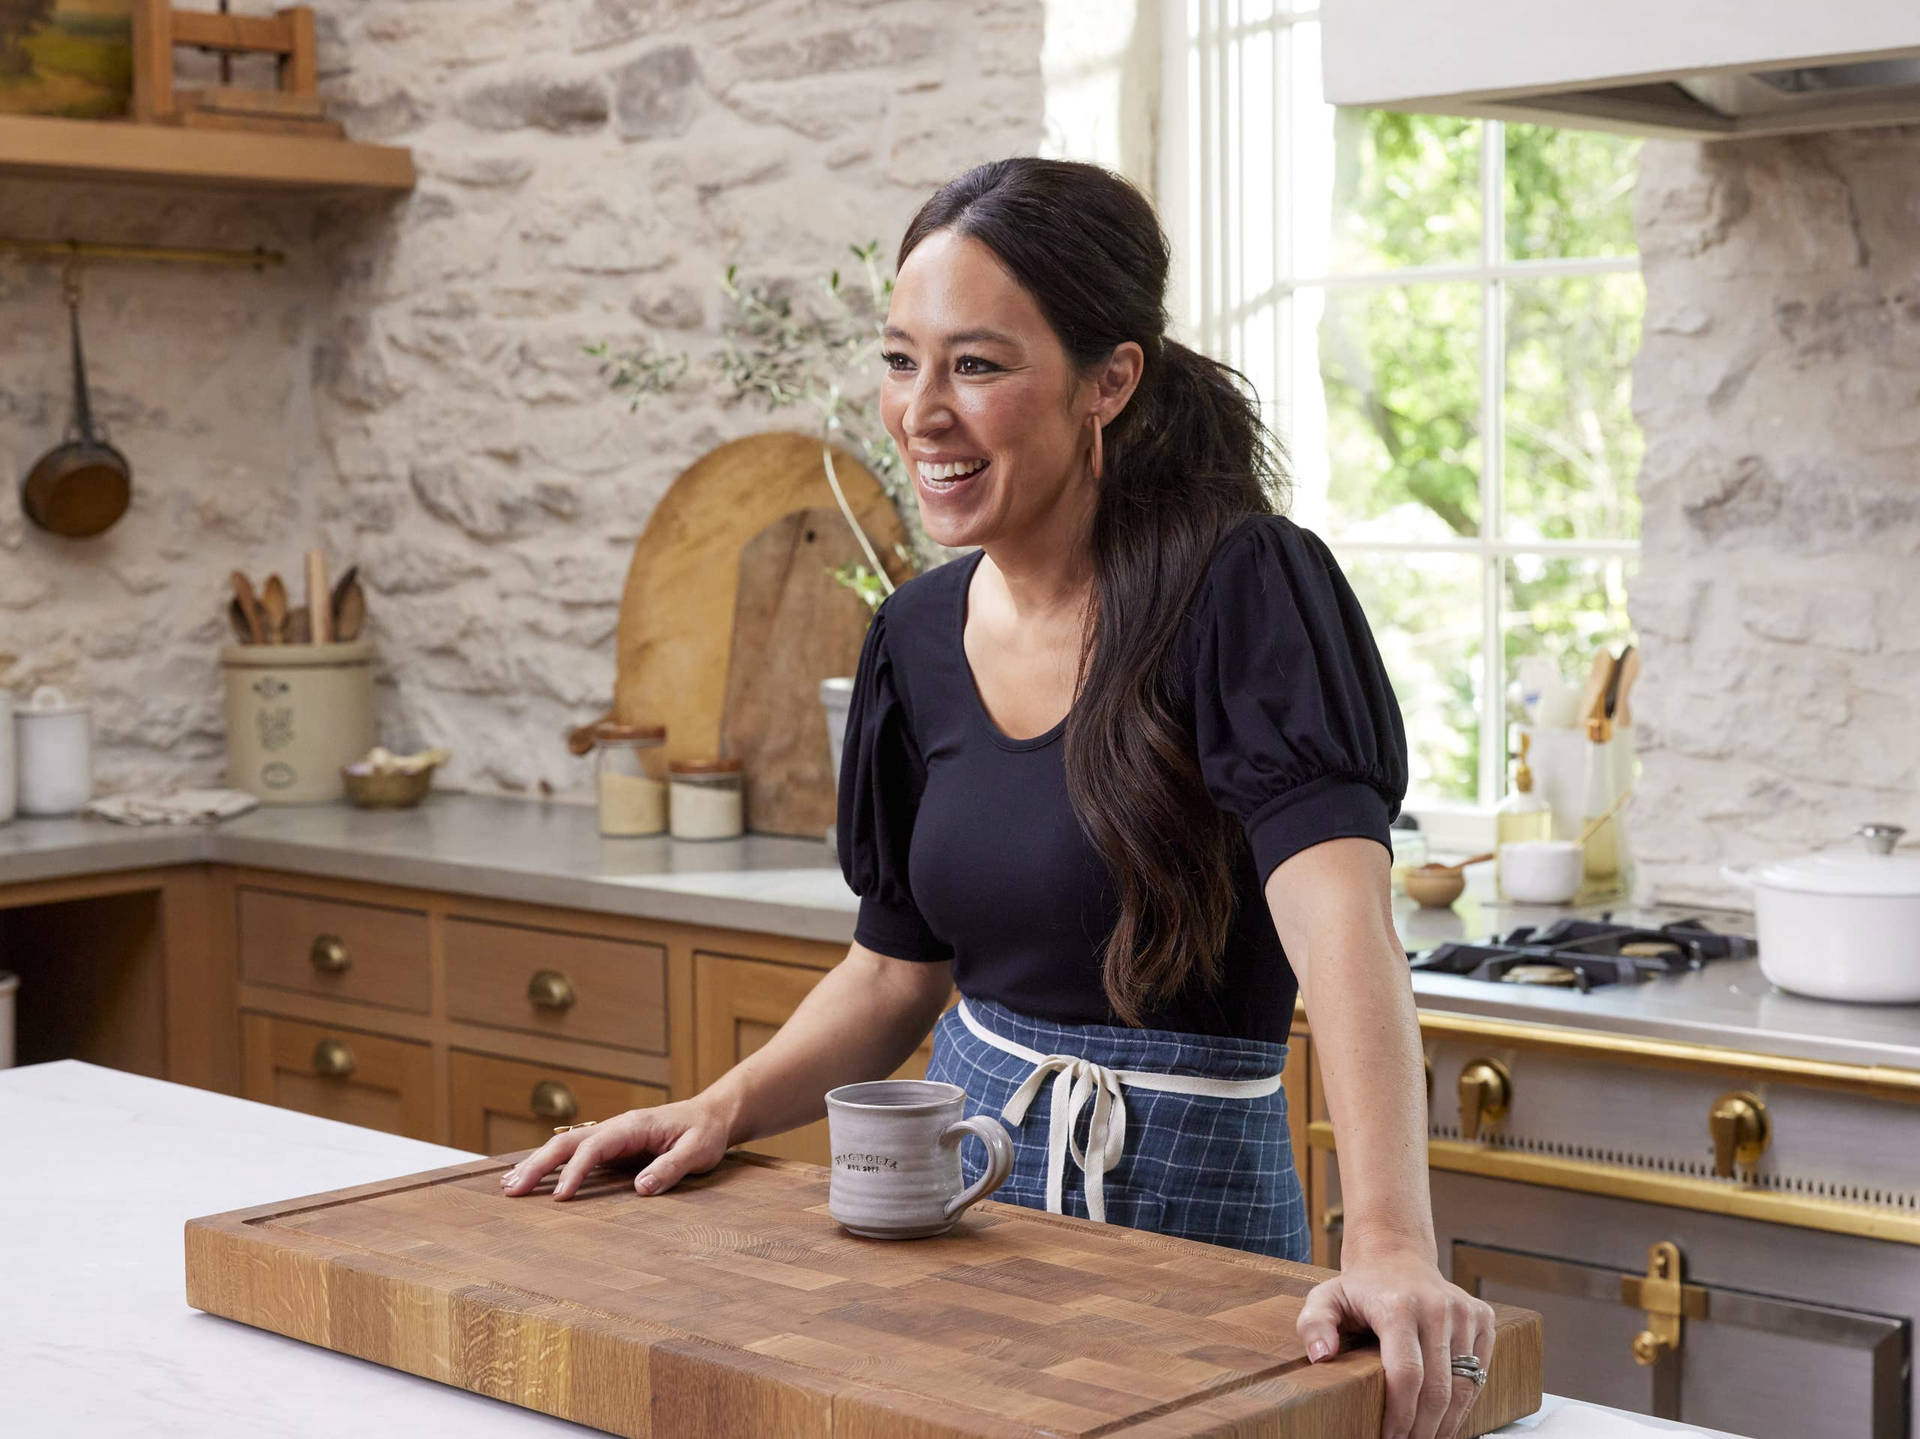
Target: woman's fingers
1403, 1361
1435, 1324
537, 1165
604, 1143
1319, 1323
1477, 1321
688, 1153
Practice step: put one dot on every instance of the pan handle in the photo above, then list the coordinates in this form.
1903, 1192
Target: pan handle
82, 406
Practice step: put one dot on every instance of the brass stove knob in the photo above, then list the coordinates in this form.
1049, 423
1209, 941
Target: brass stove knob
1741, 1130
1650, 1348
1486, 1093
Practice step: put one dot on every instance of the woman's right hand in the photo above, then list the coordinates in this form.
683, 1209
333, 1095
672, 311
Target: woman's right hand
689, 1137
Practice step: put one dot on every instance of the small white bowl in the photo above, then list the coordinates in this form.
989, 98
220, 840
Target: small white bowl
1541, 871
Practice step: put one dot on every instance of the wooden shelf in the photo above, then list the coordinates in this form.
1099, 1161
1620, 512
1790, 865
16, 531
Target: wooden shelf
122, 151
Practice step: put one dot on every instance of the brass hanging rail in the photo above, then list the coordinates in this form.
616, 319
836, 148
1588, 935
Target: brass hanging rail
258, 258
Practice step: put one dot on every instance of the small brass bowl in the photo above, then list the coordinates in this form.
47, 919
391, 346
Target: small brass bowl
387, 789
1435, 888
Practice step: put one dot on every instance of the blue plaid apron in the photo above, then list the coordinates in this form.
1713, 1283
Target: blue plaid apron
1208, 1167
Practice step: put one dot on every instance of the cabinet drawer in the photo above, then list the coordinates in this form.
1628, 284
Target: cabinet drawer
504, 1105
544, 981
344, 1074
331, 947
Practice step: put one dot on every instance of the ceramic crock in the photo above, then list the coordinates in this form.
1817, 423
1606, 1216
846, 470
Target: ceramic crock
53, 740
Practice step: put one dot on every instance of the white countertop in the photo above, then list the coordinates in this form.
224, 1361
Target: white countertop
103, 1171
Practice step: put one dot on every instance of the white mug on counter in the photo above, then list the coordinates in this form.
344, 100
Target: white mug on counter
53, 741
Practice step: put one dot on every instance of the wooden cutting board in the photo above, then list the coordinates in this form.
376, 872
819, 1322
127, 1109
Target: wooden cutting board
676, 613
734, 1306
793, 626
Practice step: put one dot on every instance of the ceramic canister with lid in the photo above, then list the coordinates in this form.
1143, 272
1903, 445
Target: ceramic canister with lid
53, 744
706, 799
1840, 924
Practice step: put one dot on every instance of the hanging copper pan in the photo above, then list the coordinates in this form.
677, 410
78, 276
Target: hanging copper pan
82, 485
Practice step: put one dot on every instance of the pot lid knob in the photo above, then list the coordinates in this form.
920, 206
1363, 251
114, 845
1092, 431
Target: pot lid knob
1881, 838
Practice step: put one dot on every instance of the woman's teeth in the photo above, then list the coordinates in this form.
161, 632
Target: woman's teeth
946, 477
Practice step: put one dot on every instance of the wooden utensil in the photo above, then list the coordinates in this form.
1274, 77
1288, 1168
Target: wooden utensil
237, 617
348, 606
1458, 865
273, 605
298, 629
734, 1305
250, 606
792, 627
1593, 697
580, 738
319, 604
1629, 672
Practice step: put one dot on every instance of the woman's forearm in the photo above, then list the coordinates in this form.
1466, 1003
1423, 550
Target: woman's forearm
1336, 923
862, 1021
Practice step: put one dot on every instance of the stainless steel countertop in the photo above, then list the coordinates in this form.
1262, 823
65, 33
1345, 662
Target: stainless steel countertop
547, 852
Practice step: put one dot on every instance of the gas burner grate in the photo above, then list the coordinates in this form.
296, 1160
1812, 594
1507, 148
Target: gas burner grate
1586, 954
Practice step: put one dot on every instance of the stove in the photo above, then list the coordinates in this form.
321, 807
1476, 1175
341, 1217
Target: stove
1586, 954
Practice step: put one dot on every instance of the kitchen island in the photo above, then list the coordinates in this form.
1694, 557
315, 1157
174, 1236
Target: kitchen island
106, 1168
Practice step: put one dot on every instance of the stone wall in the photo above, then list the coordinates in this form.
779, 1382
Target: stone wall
1778, 599
411, 390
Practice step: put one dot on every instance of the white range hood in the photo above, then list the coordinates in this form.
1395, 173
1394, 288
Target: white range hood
1703, 68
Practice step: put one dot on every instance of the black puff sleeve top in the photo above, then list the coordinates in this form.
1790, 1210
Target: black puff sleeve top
962, 843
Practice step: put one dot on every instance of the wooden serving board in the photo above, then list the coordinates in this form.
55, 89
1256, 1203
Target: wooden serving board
793, 626
734, 1306
676, 612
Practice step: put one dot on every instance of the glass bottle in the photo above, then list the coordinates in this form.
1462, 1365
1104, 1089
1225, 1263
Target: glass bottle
1602, 846
1522, 815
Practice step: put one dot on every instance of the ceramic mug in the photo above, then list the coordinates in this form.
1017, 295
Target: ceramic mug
896, 1157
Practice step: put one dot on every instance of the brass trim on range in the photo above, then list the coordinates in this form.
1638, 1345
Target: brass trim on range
1879, 1080
1705, 1195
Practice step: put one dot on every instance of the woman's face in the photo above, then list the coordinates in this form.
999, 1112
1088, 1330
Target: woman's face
981, 398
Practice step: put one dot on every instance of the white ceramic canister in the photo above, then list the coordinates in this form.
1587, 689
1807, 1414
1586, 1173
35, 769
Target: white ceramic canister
8, 768
53, 749
295, 715
1840, 924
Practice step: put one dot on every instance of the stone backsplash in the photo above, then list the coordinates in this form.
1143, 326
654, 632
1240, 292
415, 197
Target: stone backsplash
411, 391
1778, 596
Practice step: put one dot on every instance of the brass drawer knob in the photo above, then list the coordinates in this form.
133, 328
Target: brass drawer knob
554, 1102
1740, 1129
329, 954
1650, 1348
1486, 1092
550, 989
332, 1059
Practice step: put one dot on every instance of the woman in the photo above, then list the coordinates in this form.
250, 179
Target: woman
1125, 773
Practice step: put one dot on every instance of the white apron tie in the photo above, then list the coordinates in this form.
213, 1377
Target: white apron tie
1077, 1081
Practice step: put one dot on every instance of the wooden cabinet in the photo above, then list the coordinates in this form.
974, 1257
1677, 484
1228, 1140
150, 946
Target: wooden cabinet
568, 985
504, 1105
365, 953
739, 1004
338, 1073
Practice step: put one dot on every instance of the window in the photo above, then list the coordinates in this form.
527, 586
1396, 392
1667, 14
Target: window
1439, 316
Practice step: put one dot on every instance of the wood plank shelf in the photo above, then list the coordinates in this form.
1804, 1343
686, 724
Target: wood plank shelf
119, 151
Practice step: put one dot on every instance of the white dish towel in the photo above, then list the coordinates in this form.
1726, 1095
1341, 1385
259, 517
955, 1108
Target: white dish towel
180, 806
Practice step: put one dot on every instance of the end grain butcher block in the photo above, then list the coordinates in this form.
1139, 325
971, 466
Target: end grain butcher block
733, 1306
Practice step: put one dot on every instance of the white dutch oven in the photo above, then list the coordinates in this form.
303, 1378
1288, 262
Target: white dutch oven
1840, 924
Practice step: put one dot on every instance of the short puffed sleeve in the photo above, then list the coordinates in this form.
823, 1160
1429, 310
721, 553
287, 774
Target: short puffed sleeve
882, 776
1296, 726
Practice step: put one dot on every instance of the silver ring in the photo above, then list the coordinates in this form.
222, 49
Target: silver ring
1467, 1366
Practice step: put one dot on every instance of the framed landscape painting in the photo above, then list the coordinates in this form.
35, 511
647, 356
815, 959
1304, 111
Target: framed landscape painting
71, 58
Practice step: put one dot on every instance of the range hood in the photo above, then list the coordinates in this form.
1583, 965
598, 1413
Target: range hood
1701, 68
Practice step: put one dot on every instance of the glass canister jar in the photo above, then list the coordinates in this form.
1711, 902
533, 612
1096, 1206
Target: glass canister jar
630, 762
708, 798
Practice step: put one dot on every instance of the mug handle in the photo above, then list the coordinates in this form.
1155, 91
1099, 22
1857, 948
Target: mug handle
990, 1132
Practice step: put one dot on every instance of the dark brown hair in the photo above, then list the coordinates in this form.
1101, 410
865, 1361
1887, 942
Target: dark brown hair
1185, 460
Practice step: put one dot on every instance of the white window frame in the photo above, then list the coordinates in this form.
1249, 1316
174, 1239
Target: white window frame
1194, 190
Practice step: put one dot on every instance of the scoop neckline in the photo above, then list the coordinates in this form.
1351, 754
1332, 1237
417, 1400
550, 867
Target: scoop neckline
994, 732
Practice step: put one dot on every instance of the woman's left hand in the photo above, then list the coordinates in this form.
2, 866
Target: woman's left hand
1422, 1322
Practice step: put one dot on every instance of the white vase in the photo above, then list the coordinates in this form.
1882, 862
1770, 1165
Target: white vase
836, 695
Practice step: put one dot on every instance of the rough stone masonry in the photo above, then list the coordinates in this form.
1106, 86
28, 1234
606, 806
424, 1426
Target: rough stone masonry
1778, 595
411, 390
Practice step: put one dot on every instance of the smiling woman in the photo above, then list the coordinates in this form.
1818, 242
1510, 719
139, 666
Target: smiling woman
1125, 773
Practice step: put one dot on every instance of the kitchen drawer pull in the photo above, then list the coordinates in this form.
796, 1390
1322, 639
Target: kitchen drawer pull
332, 1059
550, 989
329, 954
554, 1102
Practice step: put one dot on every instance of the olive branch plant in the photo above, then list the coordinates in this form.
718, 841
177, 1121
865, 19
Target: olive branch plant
785, 356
